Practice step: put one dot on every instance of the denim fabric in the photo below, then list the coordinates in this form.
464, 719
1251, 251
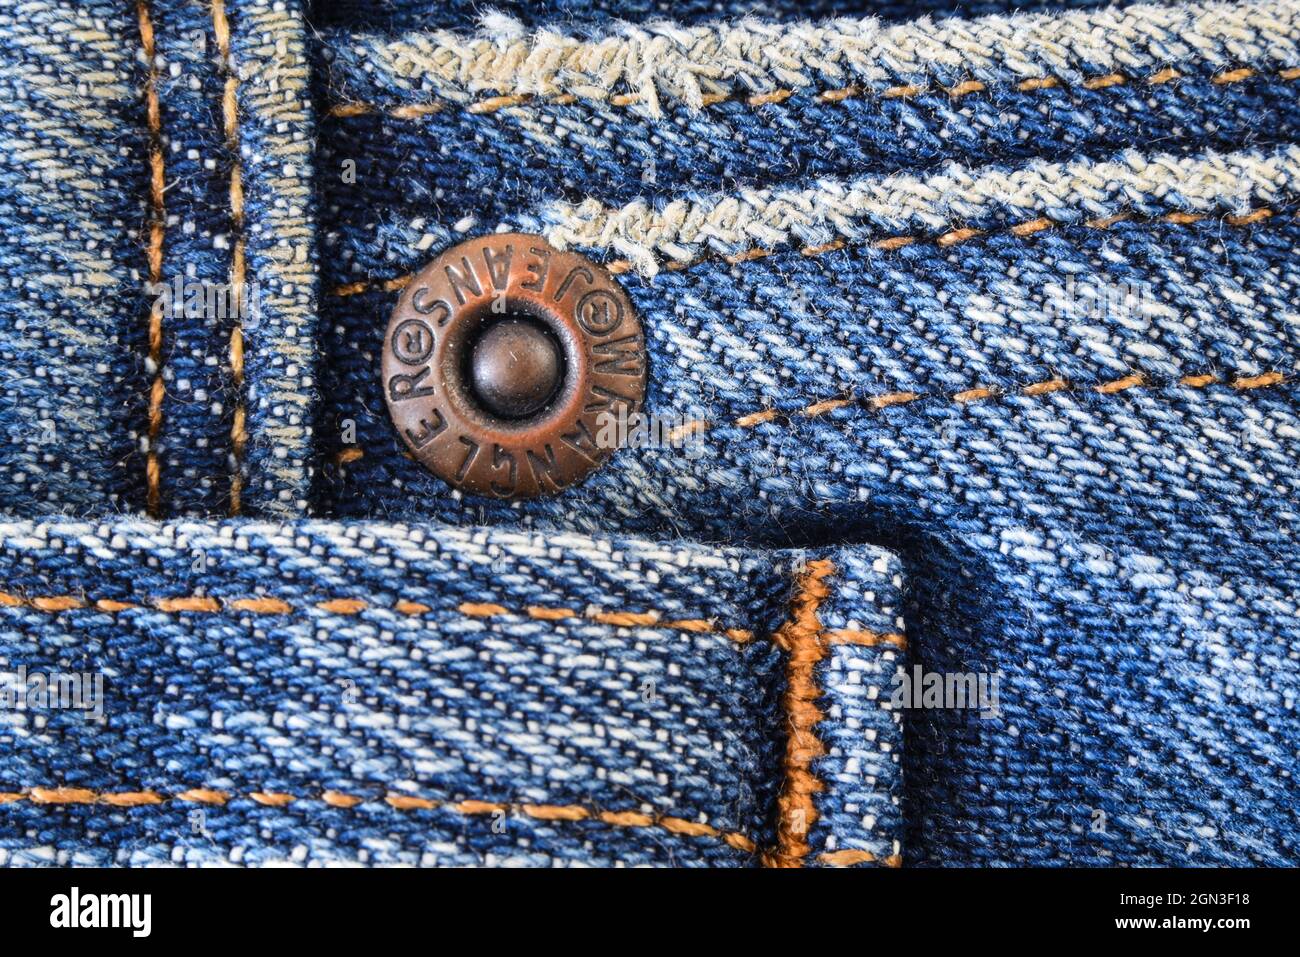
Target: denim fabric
196, 409
407, 694
1098, 507
857, 250
231, 188
71, 405
268, 52
396, 15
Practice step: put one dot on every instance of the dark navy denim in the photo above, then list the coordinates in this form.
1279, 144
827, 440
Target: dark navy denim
981, 320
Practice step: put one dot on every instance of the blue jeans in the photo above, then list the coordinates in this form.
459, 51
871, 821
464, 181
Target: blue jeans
978, 334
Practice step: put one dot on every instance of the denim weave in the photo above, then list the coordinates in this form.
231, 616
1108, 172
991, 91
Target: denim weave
866, 254
1098, 507
404, 694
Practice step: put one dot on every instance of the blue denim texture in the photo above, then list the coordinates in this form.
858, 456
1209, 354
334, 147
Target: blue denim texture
1097, 508
390, 662
72, 405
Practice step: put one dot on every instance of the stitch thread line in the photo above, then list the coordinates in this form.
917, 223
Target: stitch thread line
508, 101
887, 400
622, 619
876, 403
204, 604
953, 237
259, 605
157, 230
803, 640
550, 813
230, 123
852, 856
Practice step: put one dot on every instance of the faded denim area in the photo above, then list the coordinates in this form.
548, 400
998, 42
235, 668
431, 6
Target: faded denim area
980, 320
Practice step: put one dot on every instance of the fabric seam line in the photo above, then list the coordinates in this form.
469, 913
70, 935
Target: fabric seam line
945, 240
969, 396
800, 637
493, 104
806, 643
157, 235
204, 604
238, 267
550, 813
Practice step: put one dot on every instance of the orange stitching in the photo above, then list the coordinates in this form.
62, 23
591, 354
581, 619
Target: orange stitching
196, 603
1119, 385
204, 796
230, 123
364, 285
946, 240
803, 640
864, 638
849, 857
493, 104
1258, 381
622, 619
342, 606
954, 237
157, 229
204, 604
806, 643
400, 802
1052, 385
262, 606
57, 603
963, 397
968, 396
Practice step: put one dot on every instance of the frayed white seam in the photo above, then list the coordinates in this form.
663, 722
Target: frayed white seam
661, 62
876, 207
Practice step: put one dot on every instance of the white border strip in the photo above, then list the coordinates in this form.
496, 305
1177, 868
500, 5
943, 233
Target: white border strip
881, 207
661, 62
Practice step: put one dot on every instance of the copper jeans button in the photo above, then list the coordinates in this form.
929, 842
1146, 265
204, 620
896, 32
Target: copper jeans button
503, 359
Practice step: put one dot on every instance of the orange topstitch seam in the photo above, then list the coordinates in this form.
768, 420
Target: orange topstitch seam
802, 639
886, 400
550, 813
400, 802
238, 266
806, 643
879, 401
207, 604
157, 229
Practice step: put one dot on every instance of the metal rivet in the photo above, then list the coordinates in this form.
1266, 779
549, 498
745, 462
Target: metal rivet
501, 359
516, 368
